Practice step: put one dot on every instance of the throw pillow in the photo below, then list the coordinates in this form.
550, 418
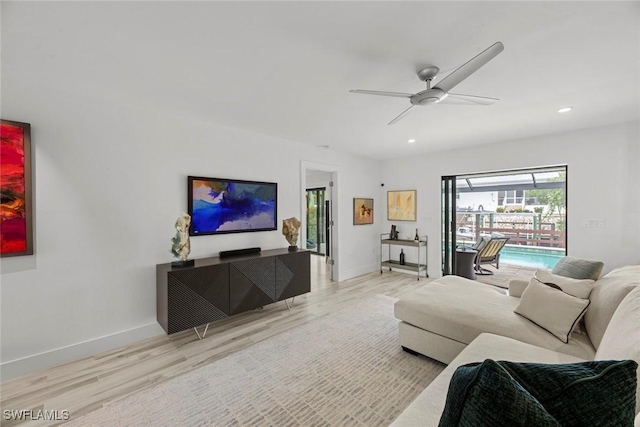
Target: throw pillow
481, 243
580, 288
596, 393
553, 310
578, 268
577, 288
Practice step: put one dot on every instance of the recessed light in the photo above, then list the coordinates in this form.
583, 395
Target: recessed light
565, 109
411, 141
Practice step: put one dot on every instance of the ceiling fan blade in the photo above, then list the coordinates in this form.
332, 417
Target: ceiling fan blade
404, 113
376, 92
458, 98
470, 67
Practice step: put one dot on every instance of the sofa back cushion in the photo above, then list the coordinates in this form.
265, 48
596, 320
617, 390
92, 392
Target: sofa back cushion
622, 338
578, 268
605, 297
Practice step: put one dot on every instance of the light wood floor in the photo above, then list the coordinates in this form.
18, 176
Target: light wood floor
85, 385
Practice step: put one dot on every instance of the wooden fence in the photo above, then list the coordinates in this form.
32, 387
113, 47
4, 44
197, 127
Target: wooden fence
517, 236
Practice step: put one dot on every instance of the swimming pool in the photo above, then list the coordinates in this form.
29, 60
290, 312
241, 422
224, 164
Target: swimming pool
530, 257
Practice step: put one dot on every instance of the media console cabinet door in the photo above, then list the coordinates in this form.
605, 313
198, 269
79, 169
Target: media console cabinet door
196, 296
293, 275
252, 283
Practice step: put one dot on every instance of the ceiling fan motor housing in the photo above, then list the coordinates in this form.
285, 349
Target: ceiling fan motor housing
430, 96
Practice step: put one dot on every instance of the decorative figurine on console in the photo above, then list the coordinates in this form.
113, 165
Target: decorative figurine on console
394, 233
290, 227
181, 243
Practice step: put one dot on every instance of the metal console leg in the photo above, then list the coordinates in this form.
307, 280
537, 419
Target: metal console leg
203, 333
287, 302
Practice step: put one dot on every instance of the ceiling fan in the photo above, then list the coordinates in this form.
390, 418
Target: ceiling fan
440, 91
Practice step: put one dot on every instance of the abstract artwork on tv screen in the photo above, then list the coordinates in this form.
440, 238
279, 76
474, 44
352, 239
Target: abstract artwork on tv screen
220, 206
15, 187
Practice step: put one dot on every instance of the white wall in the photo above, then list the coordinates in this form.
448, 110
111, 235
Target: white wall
603, 177
319, 179
110, 181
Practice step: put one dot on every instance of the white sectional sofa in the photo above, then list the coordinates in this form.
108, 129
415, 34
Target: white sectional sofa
459, 321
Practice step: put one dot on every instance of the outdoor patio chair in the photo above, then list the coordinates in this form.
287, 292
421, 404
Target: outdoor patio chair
479, 244
489, 253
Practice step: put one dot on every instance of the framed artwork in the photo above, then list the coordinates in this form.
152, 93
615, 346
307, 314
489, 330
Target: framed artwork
401, 205
15, 185
219, 206
362, 211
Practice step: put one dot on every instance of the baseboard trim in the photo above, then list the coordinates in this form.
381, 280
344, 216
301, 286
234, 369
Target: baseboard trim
37, 362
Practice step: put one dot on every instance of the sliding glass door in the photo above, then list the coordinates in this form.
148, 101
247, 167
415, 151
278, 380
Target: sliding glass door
449, 227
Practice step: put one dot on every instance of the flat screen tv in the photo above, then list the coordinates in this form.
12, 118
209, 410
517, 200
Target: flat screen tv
219, 206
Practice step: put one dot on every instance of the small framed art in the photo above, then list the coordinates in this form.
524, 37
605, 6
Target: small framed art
362, 211
401, 205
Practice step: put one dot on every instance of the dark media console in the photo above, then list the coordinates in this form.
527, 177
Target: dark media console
216, 288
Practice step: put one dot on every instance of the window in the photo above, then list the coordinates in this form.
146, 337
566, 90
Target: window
511, 197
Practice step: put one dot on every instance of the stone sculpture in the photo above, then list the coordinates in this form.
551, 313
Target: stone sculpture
181, 243
290, 227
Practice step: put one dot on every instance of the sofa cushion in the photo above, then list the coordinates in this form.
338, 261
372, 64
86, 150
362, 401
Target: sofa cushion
492, 393
552, 309
578, 268
622, 337
580, 288
605, 297
484, 394
425, 410
461, 309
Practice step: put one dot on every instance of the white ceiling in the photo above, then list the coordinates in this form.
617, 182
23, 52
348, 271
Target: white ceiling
285, 68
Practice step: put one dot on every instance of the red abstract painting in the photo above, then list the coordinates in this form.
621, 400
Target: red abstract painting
15, 189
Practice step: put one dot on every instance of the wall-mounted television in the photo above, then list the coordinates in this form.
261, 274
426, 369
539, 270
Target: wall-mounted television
219, 206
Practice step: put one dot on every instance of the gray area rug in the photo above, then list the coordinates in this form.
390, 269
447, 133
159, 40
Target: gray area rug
344, 369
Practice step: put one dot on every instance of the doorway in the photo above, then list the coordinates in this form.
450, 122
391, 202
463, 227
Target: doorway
317, 230
319, 201
527, 206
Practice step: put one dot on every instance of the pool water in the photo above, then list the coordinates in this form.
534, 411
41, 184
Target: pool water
530, 257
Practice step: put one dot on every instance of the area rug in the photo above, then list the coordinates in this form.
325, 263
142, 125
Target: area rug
344, 369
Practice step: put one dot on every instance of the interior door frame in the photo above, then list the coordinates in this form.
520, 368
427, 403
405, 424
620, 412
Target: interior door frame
334, 225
